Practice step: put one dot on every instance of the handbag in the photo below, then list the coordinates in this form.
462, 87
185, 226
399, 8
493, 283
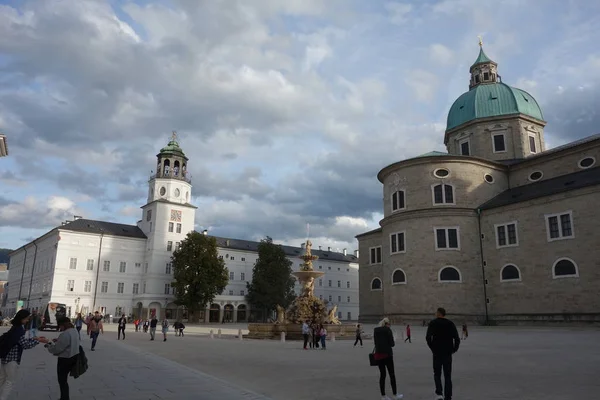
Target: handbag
372, 360
81, 365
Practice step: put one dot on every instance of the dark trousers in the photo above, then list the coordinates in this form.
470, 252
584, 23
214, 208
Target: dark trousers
389, 364
79, 332
121, 329
94, 336
63, 367
305, 336
443, 362
180, 331
407, 339
358, 339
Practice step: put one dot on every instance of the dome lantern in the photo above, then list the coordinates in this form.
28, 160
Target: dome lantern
483, 70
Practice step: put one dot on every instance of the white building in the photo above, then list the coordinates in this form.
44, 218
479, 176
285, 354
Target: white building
115, 268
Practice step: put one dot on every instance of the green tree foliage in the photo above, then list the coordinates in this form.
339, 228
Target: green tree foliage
272, 280
198, 272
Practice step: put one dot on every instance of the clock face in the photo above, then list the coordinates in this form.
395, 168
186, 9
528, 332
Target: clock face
177, 192
163, 191
176, 215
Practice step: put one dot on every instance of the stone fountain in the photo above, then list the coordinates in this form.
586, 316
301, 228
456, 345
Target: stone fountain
305, 307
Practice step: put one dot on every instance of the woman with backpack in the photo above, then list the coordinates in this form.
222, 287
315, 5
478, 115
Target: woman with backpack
12, 344
66, 348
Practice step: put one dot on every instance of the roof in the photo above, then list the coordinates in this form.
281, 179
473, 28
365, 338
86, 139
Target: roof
108, 228
432, 154
561, 184
172, 148
482, 58
378, 230
492, 100
291, 251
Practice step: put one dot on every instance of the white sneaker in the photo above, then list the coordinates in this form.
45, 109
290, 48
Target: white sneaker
385, 398
439, 397
398, 397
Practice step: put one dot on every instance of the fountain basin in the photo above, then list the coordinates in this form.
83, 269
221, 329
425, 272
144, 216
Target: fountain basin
294, 331
304, 276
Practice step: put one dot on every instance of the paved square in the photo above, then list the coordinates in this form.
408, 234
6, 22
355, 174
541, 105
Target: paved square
494, 363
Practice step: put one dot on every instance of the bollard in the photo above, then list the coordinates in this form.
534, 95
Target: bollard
212, 334
333, 336
240, 334
219, 334
282, 337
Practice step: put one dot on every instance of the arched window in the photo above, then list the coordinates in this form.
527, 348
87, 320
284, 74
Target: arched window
565, 268
376, 284
449, 274
167, 167
398, 277
443, 193
176, 168
510, 273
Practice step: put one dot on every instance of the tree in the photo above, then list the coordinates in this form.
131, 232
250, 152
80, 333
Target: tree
272, 280
198, 272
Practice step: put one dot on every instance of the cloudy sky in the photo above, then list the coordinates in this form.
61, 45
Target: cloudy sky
286, 109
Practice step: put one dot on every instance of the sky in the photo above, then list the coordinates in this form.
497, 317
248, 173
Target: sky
286, 109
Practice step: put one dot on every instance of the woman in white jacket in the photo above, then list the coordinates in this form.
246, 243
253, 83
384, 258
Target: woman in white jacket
66, 348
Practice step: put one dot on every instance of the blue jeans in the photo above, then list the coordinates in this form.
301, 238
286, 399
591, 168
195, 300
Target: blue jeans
323, 342
94, 336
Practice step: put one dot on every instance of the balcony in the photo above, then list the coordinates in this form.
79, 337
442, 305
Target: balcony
186, 177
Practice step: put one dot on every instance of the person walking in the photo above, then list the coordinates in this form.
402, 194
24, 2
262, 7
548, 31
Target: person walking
323, 336
66, 348
384, 355
121, 328
79, 324
359, 333
95, 327
11, 351
465, 332
305, 333
407, 334
153, 324
165, 329
443, 340
88, 319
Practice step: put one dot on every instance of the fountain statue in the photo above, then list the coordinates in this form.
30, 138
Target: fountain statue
306, 307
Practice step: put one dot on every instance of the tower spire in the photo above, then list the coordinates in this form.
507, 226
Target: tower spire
480, 41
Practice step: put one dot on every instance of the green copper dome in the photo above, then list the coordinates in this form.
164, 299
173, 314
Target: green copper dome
482, 58
172, 148
492, 100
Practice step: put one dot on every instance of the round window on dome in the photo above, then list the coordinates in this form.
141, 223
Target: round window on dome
587, 162
441, 173
536, 176
488, 178
163, 191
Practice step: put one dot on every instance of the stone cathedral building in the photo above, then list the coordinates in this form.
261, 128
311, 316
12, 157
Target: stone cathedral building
497, 229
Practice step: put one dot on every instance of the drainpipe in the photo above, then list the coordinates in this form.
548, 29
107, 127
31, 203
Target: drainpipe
97, 272
482, 267
22, 276
32, 271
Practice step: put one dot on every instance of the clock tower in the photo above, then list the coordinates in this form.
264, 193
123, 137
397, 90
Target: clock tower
167, 218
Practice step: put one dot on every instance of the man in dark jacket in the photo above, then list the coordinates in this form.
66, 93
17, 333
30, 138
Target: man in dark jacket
443, 340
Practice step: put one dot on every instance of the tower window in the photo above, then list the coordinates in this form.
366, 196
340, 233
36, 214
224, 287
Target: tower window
170, 227
465, 148
532, 147
499, 143
178, 228
149, 215
476, 78
486, 76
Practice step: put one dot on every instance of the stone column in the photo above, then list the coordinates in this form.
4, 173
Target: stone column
235, 315
221, 313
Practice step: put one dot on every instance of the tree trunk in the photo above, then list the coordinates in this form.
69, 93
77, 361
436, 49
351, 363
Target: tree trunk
192, 316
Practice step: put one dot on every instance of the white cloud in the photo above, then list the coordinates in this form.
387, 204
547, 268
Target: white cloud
398, 12
423, 83
438, 53
33, 213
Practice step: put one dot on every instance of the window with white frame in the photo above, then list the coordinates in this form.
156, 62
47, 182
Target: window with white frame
242, 276
450, 274
70, 285
348, 285
398, 200
90, 265
106, 267
376, 284
329, 283
348, 299
242, 293
144, 287
148, 215
232, 258
560, 226
397, 244
138, 265
167, 288
169, 246
232, 276
104, 287
499, 142
375, 255
171, 225
443, 194
447, 238
73, 263
136, 288
123, 267
510, 273
565, 268
339, 284
178, 228
87, 287
330, 298
465, 147
398, 277
120, 287
532, 146
506, 235
168, 268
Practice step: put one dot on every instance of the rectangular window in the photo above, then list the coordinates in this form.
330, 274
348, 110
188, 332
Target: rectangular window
168, 268
446, 239
232, 276
232, 258
560, 226
104, 287
136, 288
320, 282
398, 200
499, 143
70, 285
330, 298
178, 228
120, 287
106, 266
243, 259
486, 76
348, 285
90, 265
167, 288
144, 288
171, 225
177, 245
87, 287
339, 284
375, 255
123, 267
506, 235
138, 265
339, 299
443, 194
320, 297
242, 276
532, 147
169, 246
329, 283
231, 292
242, 293
348, 299
465, 147
148, 215
397, 243
73, 263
